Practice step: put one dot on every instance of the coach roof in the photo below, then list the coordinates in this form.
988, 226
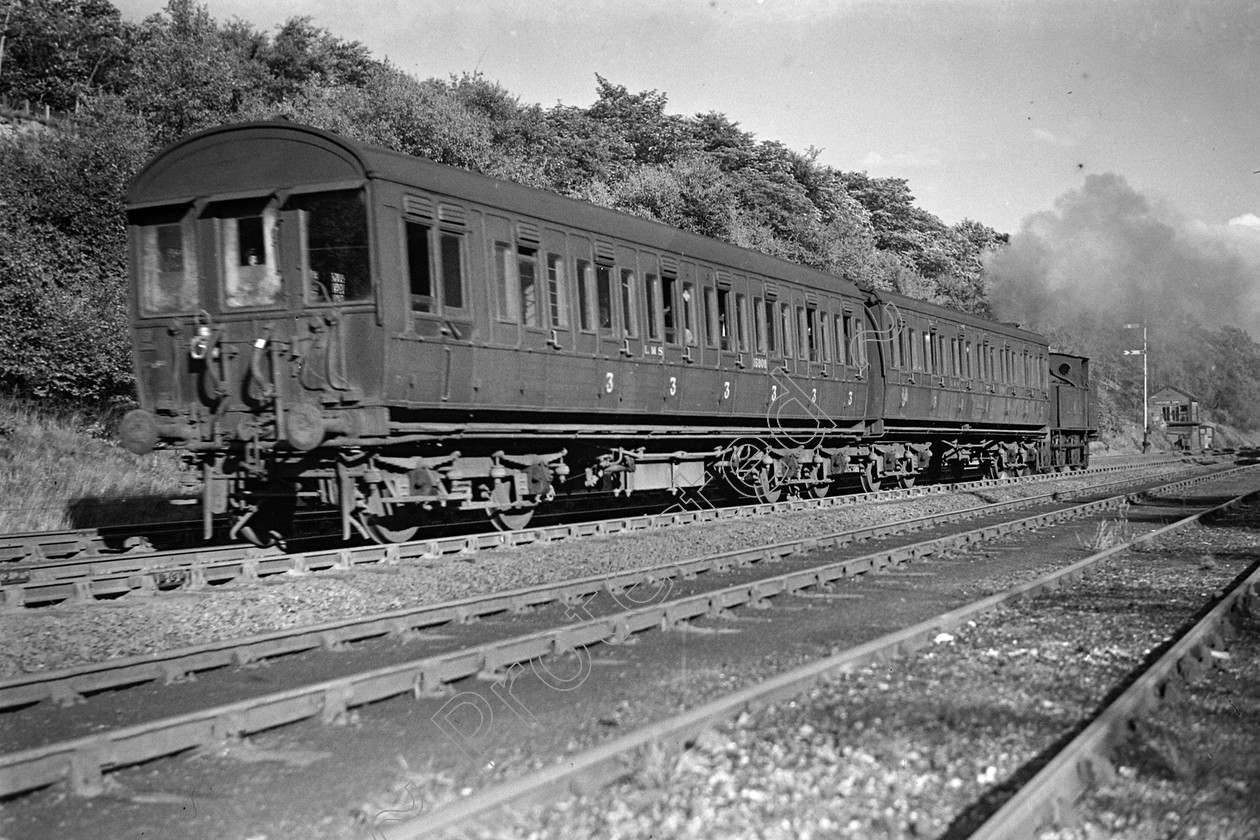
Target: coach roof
243, 160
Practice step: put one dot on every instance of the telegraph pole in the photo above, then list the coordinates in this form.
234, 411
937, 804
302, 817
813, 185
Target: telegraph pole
1146, 389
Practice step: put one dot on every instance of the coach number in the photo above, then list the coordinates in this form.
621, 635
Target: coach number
608, 383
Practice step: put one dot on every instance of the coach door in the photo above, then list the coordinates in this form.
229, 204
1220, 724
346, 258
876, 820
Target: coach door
582, 388
556, 353
535, 325
720, 328
671, 346
628, 324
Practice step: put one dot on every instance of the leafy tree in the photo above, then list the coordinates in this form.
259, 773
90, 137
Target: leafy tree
58, 52
640, 120
62, 261
186, 75
303, 53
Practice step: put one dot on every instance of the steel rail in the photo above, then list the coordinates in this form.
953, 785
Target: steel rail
593, 768
68, 686
93, 578
82, 761
1049, 798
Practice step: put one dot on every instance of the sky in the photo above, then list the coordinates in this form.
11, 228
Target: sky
1001, 111
989, 109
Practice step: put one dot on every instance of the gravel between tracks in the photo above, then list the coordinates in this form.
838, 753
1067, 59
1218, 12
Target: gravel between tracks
904, 748
59, 637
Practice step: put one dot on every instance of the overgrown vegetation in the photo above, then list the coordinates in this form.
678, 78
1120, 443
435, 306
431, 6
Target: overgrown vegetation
136, 87
60, 468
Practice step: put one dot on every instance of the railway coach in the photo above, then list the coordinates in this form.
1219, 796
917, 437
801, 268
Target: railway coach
319, 321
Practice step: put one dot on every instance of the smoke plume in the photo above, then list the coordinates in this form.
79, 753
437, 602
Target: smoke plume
1106, 255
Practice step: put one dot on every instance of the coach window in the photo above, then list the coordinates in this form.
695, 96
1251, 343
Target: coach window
785, 321
604, 298
629, 303
725, 328
711, 328
452, 254
824, 336
912, 357
808, 318
168, 276
508, 293
689, 312
586, 295
335, 246
557, 292
741, 322
843, 329
771, 345
420, 270
803, 338
669, 317
759, 326
930, 362
527, 275
248, 243
652, 285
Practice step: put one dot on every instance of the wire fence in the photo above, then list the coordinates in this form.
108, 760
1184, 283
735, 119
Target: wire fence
26, 111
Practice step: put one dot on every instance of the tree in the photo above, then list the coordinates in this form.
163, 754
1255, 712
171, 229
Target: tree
63, 327
640, 120
58, 52
185, 74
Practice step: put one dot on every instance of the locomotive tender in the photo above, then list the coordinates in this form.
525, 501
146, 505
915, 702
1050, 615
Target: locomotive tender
322, 320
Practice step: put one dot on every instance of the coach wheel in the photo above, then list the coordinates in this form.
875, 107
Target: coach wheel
767, 488
507, 517
871, 480
906, 481
394, 528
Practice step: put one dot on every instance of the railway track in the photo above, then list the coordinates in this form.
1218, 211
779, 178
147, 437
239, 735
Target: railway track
82, 760
1044, 800
88, 576
1049, 799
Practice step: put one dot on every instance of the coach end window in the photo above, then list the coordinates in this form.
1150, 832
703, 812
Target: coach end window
334, 232
167, 264
249, 250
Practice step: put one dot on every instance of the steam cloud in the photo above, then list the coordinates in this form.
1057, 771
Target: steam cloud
1106, 255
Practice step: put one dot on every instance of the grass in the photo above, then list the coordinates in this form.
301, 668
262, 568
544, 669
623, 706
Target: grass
63, 468
1109, 533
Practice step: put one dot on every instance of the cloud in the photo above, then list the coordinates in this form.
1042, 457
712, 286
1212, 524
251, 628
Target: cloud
1054, 139
922, 159
1247, 220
